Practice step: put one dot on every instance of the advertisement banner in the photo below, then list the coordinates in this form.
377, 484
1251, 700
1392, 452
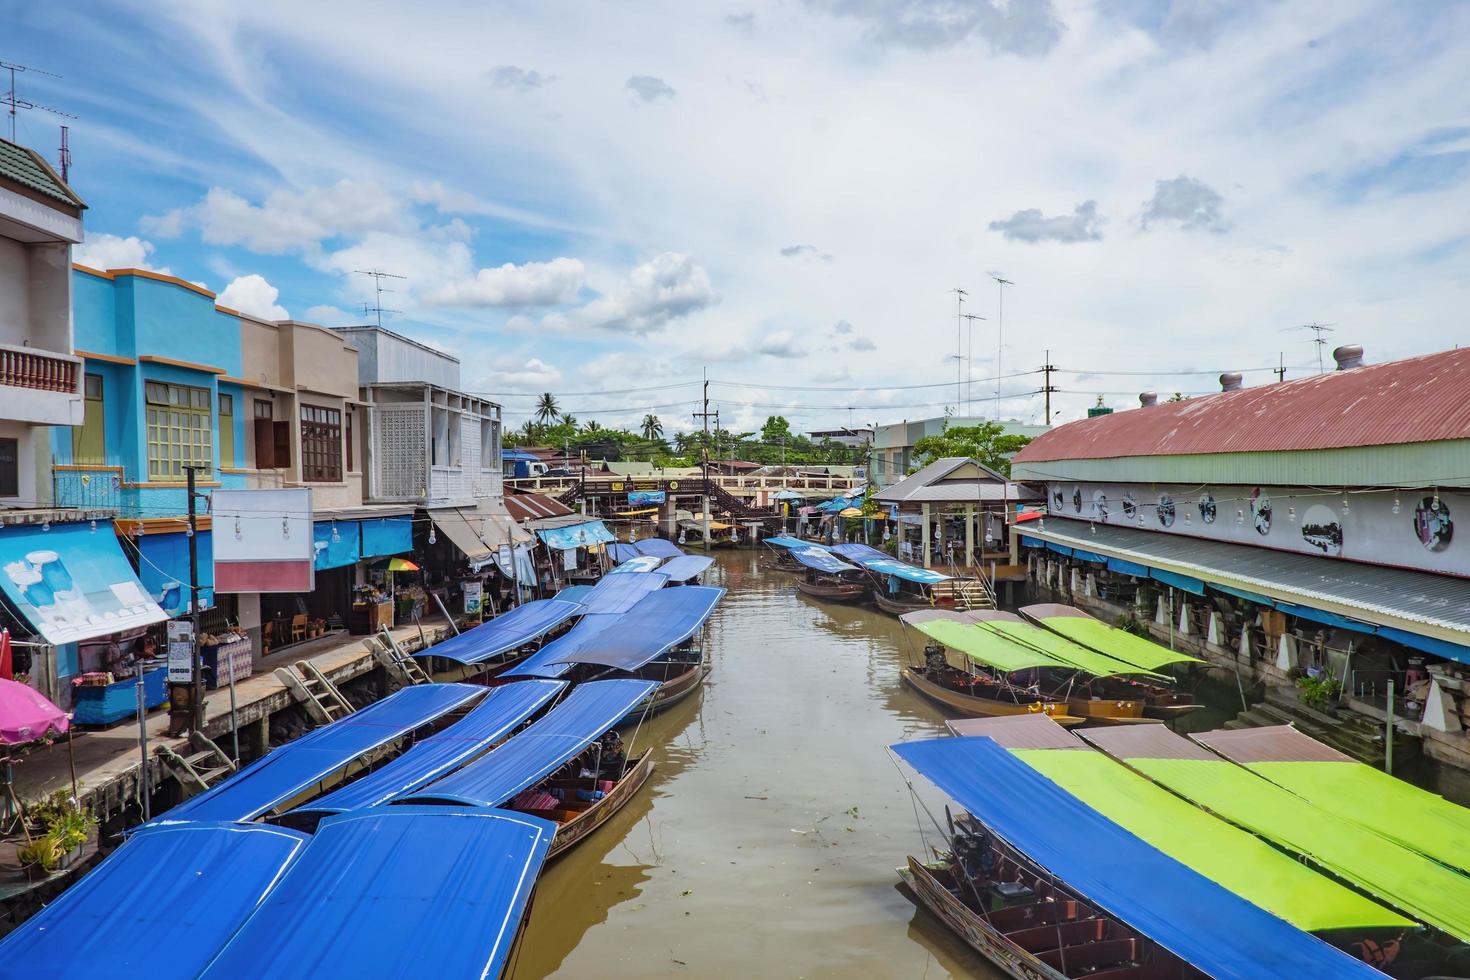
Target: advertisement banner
474, 593
640, 498
180, 651
71, 581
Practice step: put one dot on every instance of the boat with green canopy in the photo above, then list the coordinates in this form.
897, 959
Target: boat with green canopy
1397, 875
1076, 625
1325, 777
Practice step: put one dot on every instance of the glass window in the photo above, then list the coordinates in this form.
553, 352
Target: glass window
226, 430
349, 441
87, 444
9, 467
262, 408
321, 444
180, 430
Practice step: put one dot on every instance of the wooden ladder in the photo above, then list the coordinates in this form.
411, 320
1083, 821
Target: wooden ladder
966, 594
319, 696
205, 765
396, 661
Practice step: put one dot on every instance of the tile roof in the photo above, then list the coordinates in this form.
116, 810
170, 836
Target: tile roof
931, 484
1419, 399
531, 506
27, 168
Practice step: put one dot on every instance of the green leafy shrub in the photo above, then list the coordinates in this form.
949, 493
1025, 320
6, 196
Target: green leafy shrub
1320, 691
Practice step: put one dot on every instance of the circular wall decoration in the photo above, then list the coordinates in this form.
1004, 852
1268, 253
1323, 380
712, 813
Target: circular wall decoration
1261, 511
1058, 498
1432, 523
1207, 509
1322, 529
1165, 511
1099, 505
1077, 499
673, 484
1130, 506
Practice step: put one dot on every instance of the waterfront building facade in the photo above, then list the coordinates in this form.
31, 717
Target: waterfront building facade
893, 445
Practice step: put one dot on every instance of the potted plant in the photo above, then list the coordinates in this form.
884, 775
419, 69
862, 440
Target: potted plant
63, 827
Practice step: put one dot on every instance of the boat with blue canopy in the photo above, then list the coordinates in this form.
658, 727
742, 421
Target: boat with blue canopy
398, 891
779, 558
638, 563
195, 883
569, 766
826, 576
506, 634
490, 721
1044, 886
323, 756
900, 586
658, 548
620, 552
686, 568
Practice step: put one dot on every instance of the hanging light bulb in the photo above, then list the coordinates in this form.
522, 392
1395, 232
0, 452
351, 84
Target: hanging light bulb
237, 529
1091, 526
1396, 506
1344, 506
285, 528
1435, 501
1291, 512
46, 525
336, 538
141, 529
1186, 516
1239, 516
188, 532
432, 537
94, 525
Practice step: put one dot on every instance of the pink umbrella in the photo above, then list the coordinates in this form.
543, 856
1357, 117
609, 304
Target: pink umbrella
25, 715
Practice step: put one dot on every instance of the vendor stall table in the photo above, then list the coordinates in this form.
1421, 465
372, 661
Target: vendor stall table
97, 705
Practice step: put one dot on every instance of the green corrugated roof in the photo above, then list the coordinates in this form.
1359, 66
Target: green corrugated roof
27, 169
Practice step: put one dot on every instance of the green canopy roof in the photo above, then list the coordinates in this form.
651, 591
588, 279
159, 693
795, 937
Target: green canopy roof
1063, 649
1115, 642
1404, 878
985, 647
1226, 855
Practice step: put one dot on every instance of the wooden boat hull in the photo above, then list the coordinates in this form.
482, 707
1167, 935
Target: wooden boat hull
573, 831
772, 565
838, 592
898, 607
1101, 711
670, 692
975, 707
1165, 712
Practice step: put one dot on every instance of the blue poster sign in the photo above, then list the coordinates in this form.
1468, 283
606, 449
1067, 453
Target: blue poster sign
163, 567
639, 498
71, 581
577, 536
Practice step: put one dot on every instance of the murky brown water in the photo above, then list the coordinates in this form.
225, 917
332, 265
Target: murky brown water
765, 843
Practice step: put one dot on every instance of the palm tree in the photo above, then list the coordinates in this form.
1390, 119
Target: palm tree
652, 427
547, 410
591, 426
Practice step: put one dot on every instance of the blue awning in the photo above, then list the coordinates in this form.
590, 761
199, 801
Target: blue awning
1030, 542
518, 456
787, 541
583, 535
1207, 926
822, 560
297, 766
193, 883
860, 553
83, 560
685, 568
391, 892
1243, 594
546, 662
638, 563
619, 593
505, 632
163, 568
1429, 644
383, 536
1060, 549
655, 626
658, 547
905, 571
1091, 556
1184, 582
503, 709
529, 757
620, 552
1127, 567
1325, 617
338, 543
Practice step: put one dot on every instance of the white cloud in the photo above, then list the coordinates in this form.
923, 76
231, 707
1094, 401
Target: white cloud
1084, 224
518, 79
782, 344
667, 287
1186, 202
104, 251
532, 284
252, 294
287, 220
862, 344
330, 316
650, 89
842, 327
511, 373
805, 252
1024, 27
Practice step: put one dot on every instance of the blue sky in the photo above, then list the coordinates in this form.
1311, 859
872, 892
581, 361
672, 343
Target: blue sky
597, 198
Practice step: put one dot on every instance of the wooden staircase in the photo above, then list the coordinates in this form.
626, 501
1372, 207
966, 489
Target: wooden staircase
1347, 731
964, 593
324, 704
205, 764
399, 664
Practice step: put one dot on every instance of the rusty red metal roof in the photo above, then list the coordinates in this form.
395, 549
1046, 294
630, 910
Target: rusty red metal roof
533, 506
1019, 731
1274, 743
1420, 399
1146, 742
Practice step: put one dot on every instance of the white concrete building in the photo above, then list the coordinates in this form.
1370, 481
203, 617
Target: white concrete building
41, 379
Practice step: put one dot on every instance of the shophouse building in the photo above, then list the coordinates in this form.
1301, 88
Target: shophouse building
893, 445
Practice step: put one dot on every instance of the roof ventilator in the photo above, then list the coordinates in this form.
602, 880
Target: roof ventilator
1348, 356
1148, 399
1230, 381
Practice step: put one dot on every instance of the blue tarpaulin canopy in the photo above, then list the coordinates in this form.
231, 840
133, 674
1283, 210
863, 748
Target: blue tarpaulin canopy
392, 892
547, 662
655, 626
529, 757
1184, 582
583, 535
1323, 616
337, 543
297, 766
573, 593
1243, 594
620, 552
505, 632
194, 883
1127, 567
686, 567
822, 560
786, 541
658, 547
860, 553
1091, 556
618, 594
491, 720
1213, 929
905, 571
1060, 549
383, 536
638, 563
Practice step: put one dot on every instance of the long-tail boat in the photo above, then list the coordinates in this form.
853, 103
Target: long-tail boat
898, 586
825, 576
778, 556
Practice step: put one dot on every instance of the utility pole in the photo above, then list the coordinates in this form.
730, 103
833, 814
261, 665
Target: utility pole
1046, 385
196, 708
1281, 371
1000, 327
704, 456
959, 357
970, 319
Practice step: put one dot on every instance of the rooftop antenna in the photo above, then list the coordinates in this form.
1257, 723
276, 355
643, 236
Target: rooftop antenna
378, 275
63, 155
970, 319
14, 101
1001, 284
959, 358
1318, 329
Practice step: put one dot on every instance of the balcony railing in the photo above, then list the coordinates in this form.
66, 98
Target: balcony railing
87, 486
24, 368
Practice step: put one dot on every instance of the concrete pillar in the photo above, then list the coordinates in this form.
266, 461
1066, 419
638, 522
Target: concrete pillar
1217, 630
668, 526
1075, 584
1161, 614
1245, 641
1439, 710
924, 534
970, 536
1089, 585
1286, 652
1184, 624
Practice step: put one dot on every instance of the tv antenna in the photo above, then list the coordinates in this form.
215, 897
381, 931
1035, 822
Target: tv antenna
1001, 284
14, 101
1318, 329
970, 319
959, 350
377, 308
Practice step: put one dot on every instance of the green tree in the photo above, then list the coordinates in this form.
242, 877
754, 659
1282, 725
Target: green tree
776, 429
986, 442
652, 427
592, 426
547, 410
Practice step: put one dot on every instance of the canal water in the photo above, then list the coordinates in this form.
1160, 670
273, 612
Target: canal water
765, 843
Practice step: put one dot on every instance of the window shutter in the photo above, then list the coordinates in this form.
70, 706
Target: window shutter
282, 444
265, 444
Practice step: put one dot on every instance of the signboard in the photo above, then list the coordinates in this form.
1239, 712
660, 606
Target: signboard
474, 594
263, 540
638, 498
71, 582
180, 651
